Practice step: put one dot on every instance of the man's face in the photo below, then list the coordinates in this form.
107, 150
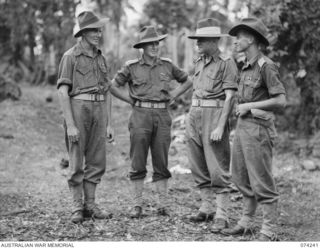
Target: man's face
151, 49
207, 45
243, 41
92, 36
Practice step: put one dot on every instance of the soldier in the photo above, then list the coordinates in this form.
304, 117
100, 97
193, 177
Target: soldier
86, 104
214, 86
260, 93
149, 79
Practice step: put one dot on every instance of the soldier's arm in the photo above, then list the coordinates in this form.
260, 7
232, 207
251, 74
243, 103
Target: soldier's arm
182, 77
64, 84
108, 102
275, 102
271, 77
117, 92
181, 89
217, 133
120, 79
72, 130
229, 84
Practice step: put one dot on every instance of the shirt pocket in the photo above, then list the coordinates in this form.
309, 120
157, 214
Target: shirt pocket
212, 81
165, 81
140, 85
84, 77
250, 87
138, 82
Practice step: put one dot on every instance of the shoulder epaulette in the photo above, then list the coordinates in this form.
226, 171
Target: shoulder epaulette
224, 57
261, 61
71, 51
166, 59
132, 61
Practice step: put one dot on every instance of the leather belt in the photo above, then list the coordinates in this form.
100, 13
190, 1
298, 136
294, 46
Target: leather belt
207, 103
157, 105
90, 97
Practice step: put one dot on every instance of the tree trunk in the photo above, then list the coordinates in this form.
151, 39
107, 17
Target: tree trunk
31, 44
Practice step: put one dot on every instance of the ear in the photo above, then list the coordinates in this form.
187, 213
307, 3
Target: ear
251, 39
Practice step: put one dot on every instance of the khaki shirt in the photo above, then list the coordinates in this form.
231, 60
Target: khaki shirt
213, 75
149, 82
259, 80
82, 72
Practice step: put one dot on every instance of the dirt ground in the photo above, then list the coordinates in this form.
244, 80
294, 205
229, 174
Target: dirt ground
35, 201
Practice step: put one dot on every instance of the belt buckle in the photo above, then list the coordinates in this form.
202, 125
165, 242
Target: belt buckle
152, 105
198, 102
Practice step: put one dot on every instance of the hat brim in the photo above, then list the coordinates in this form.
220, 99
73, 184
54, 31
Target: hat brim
233, 32
98, 24
207, 36
144, 41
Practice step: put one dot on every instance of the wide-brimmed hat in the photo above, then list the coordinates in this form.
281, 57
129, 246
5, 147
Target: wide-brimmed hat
254, 26
208, 28
148, 34
87, 20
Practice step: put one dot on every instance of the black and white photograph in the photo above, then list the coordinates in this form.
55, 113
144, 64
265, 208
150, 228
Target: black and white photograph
160, 122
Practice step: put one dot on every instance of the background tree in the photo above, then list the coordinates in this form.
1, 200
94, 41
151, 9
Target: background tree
33, 26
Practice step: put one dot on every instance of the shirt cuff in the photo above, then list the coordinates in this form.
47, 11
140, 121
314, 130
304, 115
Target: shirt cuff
183, 79
276, 92
64, 81
116, 83
230, 85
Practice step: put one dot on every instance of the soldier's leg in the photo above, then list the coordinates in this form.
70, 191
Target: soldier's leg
160, 143
217, 155
198, 164
95, 155
140, 127
240, 177
262, 181
76, 156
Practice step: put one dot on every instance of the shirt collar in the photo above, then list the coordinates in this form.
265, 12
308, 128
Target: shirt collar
142, 61
207, 59
79, 49
252, 61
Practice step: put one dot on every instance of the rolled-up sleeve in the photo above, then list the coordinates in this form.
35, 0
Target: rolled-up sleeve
230, 75
271, 76
122, 76
65, 71
179, 74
